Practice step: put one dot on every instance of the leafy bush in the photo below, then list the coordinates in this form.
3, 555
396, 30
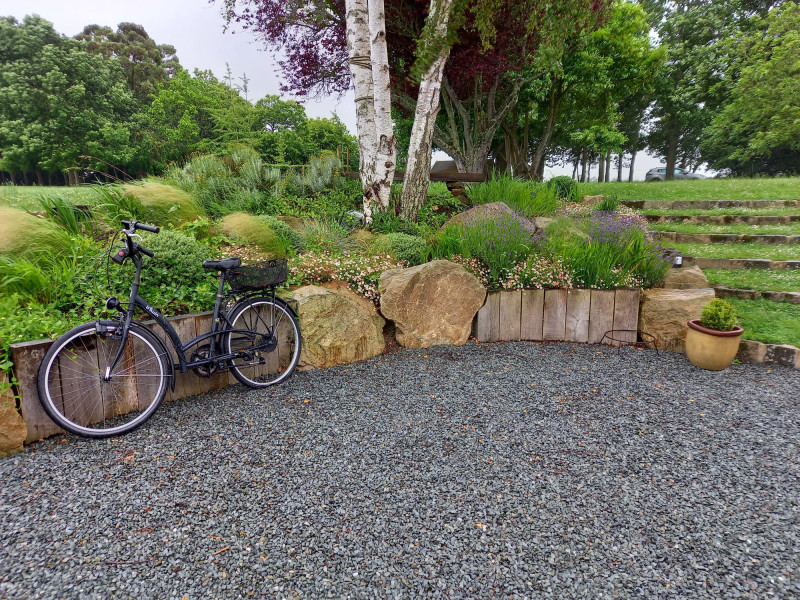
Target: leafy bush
404, 247
321, 236
162, 204
22, 234
290, 240
440, 205
178, 258
719, 315
609, 203
388, 222
251, 229
564, 187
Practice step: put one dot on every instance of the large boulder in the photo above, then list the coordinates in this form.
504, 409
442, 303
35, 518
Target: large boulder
431, 304
493, 211
338, 326
689, 278
13, 430
665, 312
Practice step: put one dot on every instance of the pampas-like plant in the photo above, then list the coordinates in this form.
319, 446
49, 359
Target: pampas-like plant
163, 204
252, 230
23, 234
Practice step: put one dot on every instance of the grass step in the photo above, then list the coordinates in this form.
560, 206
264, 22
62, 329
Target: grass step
724, 238
784, 280
740, 263
785, 252
725, 219
707, 204
769, 322
723, 291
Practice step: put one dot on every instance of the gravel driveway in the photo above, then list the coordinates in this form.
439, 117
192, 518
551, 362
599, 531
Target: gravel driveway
519, 469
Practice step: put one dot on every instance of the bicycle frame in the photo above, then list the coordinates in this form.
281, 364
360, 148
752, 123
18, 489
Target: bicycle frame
214, 336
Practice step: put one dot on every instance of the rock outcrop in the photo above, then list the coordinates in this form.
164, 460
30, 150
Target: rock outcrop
338, 326
431, 304
665, 312
689, 278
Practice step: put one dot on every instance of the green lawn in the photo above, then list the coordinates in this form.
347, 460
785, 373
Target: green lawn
25, 196
775, 210
783, 188
782, 280
770, 322
785, 252
787, 229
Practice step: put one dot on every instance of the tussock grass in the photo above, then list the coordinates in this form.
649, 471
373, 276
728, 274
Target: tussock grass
23, 234
250, 229
162, 204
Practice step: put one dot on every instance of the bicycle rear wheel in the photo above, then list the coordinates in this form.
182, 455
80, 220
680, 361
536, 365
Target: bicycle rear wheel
75, 395
269, 350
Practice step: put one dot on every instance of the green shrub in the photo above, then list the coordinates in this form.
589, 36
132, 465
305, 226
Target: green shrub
22, 234
290, 239
321, 236
401, 246
609, 203
719, 315
161, 204
318, 175
564, 187
251, 229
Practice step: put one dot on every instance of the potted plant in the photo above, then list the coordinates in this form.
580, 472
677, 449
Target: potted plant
713, 340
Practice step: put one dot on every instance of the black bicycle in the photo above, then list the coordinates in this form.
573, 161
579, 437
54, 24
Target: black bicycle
108, 377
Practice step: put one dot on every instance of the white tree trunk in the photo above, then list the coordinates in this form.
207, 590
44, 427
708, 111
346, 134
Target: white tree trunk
360, 59
418, 166
386, 148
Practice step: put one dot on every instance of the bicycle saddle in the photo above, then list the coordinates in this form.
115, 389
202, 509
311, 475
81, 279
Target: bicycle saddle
224, 264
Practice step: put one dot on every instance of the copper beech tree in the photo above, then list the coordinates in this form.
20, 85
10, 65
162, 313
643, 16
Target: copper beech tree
414, 53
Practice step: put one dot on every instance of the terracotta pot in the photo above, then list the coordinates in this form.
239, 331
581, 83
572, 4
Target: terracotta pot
711, 349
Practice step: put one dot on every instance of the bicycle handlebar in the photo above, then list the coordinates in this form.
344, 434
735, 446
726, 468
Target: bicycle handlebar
134, 225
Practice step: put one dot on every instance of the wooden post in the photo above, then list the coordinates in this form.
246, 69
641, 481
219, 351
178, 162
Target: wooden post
555, 314
510, 314
27, 357
601, 314
532, 318
486, 327
626, 314
577, 321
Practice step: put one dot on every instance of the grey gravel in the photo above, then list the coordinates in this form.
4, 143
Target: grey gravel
519, 469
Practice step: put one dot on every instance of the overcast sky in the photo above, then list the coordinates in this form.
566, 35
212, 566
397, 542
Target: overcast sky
195, 28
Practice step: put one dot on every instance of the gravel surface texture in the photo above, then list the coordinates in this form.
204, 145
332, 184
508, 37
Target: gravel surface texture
506, 470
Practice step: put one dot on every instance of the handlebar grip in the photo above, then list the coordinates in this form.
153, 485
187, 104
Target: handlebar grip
143, 226
150, 228
145, 251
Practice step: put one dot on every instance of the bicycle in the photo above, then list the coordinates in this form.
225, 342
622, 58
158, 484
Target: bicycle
108, 377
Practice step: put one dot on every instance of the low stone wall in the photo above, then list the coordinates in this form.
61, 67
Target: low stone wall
566, 315
723, 291
724, 219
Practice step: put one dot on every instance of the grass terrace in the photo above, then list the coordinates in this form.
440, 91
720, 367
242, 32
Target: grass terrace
783, 188
737, 250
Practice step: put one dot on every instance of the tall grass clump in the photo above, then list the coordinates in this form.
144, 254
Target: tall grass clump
290, 240
322, 236
524, 196
407, 248
23, 234
66, 214
162, 204
250, 229
319, 174
565, 188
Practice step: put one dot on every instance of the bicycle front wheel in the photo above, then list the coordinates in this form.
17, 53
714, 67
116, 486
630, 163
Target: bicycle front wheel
78, 395
268, 345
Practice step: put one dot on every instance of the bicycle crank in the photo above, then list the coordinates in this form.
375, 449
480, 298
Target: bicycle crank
208, 369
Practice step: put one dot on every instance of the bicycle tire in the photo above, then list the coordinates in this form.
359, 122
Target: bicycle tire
263, 368
75, 396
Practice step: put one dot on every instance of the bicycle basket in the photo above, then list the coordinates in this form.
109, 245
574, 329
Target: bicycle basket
258, 276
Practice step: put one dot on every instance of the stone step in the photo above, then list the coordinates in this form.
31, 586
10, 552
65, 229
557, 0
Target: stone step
707, 204
724, 238
739, 263
723, 291
769, 354
725, 219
